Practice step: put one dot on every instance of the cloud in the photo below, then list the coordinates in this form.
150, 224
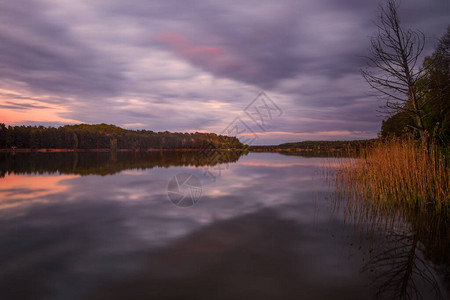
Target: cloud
160, 64
38, 51
21, 106
214, 59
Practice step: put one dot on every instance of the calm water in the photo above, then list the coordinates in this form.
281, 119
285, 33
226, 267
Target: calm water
101, 226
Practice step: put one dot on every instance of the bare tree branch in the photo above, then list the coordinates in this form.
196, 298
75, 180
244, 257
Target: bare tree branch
392, 70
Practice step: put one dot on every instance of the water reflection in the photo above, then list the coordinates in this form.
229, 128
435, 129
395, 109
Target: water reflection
105, 163
400, 269
409, 254
18, 190
257, 256
264, 229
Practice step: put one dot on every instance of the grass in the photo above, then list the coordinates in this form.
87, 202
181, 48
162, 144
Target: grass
395, 173
398, 188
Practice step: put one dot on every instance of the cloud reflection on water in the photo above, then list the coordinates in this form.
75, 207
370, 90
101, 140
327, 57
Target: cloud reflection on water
263, 229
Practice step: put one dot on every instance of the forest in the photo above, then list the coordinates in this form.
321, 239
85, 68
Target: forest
104, 136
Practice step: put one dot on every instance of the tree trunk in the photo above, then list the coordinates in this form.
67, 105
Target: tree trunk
420, 126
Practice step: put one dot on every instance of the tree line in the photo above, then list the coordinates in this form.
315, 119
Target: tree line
317, 146
104, 136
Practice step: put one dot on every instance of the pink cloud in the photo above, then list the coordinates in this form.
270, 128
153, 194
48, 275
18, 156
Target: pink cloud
29, 110
171, 38
210, 58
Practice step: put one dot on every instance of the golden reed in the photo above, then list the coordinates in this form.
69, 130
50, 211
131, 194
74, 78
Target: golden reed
393, 173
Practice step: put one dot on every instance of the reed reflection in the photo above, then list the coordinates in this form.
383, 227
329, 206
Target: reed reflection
408, 248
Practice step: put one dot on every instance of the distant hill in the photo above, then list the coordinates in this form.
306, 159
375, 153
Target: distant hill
104, 136
316, 146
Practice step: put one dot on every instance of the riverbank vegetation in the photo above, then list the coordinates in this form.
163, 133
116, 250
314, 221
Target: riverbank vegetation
401, 182
409, 165
400, 188
394, 173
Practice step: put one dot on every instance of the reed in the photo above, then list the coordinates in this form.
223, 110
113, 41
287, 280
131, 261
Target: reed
395, 173
396, 188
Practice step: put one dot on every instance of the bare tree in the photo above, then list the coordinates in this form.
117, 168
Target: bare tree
392, 71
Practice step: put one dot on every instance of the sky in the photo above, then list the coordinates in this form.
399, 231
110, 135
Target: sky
197, 65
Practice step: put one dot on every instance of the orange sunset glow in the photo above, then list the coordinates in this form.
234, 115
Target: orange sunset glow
30, 108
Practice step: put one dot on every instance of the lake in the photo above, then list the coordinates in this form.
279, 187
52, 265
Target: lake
185, 225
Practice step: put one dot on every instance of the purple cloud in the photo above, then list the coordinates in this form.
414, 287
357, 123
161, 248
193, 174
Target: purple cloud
194, 65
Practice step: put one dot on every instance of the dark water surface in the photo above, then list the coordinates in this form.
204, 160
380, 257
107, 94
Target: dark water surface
101, 226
